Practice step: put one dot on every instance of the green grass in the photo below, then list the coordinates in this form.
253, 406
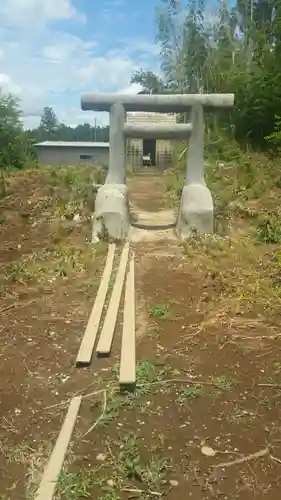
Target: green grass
74, 187
110, 284
110, 495
75, 485
155, 472
68, 189
59, 261
123, 465
115, 402
160, 311
131, 465
222, 383
147, 374
190, 393
269, 230
18, 454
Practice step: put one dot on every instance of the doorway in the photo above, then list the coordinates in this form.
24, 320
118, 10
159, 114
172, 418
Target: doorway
149, 147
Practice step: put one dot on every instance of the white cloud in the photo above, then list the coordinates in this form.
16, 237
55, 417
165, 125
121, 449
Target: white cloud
106, 72
25, 13
8, 86
133, 88
63, 48
50, 66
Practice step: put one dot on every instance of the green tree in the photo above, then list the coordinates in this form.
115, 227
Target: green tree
49, 124
150, 82
12, 140
239, 52
51, 129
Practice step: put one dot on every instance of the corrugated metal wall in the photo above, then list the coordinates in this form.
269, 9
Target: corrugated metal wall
64, 155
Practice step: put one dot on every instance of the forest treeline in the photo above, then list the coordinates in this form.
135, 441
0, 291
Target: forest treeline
17, 144
225, 50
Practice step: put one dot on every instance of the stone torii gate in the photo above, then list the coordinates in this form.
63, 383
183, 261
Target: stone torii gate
196, 212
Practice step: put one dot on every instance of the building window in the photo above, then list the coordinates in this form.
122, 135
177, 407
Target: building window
86, 157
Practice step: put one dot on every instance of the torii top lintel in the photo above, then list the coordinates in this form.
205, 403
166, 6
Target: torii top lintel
162, 103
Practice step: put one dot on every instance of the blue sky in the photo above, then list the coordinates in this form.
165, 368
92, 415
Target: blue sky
53, 50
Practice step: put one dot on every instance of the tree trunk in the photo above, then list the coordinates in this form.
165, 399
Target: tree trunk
2, 185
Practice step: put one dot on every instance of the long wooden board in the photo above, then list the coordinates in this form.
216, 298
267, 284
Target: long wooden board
87, 345
106, 336
48, 483
127, 376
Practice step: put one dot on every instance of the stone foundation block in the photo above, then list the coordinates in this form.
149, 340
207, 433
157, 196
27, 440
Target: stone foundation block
196, 213
111, 219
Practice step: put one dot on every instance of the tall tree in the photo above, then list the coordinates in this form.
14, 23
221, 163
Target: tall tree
183, 43
240, 52
49, 124
12, 141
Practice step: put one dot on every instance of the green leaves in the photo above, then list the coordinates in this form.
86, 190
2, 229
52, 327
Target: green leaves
275, 137
12, 142
269, 230
227, 50
149, 81
49, 124
133, 468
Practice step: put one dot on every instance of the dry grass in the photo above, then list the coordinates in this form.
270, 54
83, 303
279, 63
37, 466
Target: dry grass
242, 258
234, 279
49, 271
57, 202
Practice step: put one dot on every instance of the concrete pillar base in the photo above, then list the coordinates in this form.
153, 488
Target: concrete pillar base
196, 211
111, 219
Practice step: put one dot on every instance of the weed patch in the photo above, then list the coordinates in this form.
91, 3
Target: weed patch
74, 485
269, 230
190, 393
160, 311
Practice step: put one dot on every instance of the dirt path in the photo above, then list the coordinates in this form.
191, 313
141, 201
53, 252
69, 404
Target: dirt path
208, 379
152, 219
144, 183
202, 395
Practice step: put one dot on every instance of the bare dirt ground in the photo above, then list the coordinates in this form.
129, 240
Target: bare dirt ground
49, 275
208, 352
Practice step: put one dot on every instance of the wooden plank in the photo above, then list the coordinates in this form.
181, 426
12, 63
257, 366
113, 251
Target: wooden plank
87, 345
127, 375
106, 336
52, 471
